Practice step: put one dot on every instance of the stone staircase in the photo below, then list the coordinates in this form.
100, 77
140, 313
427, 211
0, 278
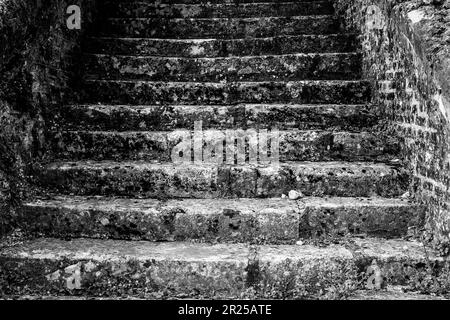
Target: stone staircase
124, 220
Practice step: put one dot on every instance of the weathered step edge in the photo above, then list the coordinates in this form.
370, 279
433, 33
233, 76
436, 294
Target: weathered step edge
225, 28
257, 116
214, 48
291, 67
269, 221
158, 145
214, 93
216, 10
146, 269
169, 180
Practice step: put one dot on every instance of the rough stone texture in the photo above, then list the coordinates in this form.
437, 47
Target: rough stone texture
241, 220
157, 145
258, 116
334, 217
148, 92
216, 10
145, 269
393, 293
345, 66
210, 48
406, 54
36, 56
218, 28
104, 267
147, 179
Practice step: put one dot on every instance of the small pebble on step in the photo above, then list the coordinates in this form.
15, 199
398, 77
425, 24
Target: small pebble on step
295, 195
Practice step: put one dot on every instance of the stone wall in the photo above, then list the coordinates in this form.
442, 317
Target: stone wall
37, 55
406, 49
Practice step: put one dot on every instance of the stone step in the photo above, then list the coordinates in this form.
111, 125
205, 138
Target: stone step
293, 92
105, 2
158, 145
394, 293
223, 28
291, 67
211, 48
391, 293
187, 180
259, 116
270, 221
187, 270
131, 9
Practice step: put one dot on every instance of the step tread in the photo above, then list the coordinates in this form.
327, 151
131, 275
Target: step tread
269, 221
391, 293
343, 166
109, 107
224, 28
209, 206
117, 250
163, 10
262, 56
185, 269
194, 40
354, 117
219, 84
305, 17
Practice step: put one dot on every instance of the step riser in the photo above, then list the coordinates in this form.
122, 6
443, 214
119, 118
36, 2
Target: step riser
376, 219
109, 2
218, 28
294, 146
223, 48
136, 92
148, 10
246, 221
160, 118
168, 221
282, 272
189, 181
269, 68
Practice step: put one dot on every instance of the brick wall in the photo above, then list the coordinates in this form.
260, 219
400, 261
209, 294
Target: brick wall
407, 56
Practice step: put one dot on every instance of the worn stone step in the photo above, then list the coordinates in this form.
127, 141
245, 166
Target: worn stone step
180, 269
391, 293
260, 116
292, 92
158, 145
187, 180
270, 221
211, 48
223, 28
215, 10
241, 220
203, 1
333, 66
342, 216
394, 293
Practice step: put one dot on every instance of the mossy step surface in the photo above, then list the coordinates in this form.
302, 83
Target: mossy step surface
290, 67
210, 48
158, 145
269, 221
169, 180
216, 10
213, 93
257, 116
113, 267
224, 28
